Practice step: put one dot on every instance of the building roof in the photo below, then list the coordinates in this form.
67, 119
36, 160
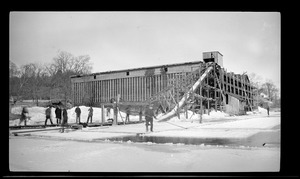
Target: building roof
141, 68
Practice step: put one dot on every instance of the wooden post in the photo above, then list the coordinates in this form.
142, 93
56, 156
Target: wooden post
177, 95
115, 122
102, 115
215, 88
186, 108
116, 110
140, 114
201, 108
207, 96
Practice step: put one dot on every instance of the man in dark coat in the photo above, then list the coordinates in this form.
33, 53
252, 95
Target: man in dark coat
127, 114
48, 115
149, 114
64, 119
90, 116
78, 112
58, 115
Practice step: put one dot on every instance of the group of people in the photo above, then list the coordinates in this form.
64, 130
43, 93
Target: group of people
149, 115
61, 115
78, 113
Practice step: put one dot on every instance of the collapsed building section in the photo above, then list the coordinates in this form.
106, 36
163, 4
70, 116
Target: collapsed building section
171, 88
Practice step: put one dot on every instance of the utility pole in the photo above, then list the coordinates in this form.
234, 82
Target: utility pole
102, 115
115, 106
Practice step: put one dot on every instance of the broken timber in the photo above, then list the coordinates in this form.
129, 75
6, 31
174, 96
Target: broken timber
16, 132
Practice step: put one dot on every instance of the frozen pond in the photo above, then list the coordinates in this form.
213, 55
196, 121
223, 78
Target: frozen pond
36, 154
269, 138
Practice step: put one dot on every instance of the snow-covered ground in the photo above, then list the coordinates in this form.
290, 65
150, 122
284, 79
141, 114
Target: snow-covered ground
27, 154
81, 150
215, 125
38, 115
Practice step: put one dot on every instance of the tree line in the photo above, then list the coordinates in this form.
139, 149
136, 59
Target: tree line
52, 81
47, 81
266, 87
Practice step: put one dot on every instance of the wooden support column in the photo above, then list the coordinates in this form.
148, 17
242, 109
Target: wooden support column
133, 89
136, 88
96, 91
215, 91
101, 90
130, 89
127, 88
150, 86
141, 114
109, 90
208, 96
116, 109
104, 90
102, 115
177, 96
201, 107
142, 89
159, 82
186, 106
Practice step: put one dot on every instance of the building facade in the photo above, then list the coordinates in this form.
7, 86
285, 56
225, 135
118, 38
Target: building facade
136, 86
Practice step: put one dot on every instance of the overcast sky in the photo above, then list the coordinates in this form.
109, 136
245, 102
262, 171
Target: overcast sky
249, 41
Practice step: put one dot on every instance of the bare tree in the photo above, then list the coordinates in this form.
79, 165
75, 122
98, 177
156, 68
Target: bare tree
65, 62
65, 65
255, 80
37, 81
270, 89
35, 75
82, 65
13, 70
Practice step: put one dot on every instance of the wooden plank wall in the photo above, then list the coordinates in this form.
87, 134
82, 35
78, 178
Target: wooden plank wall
138, 88
131, 89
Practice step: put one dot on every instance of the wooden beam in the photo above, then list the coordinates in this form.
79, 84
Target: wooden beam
102, 115
202, 97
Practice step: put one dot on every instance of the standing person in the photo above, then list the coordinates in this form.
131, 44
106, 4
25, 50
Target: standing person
24, 116
149, 114
127, 114
268, 109
78, 112
48, 115
58, 115
90, 115
108, 111
64, 122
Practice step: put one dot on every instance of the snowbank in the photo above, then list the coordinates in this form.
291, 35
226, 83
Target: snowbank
260, 110
213, 115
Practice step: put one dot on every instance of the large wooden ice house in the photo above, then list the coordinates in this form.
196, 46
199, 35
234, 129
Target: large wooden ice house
137, 85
